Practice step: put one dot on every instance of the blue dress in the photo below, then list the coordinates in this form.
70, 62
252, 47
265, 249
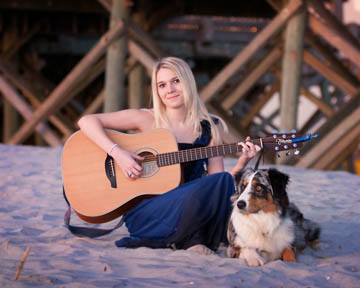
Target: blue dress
196, 212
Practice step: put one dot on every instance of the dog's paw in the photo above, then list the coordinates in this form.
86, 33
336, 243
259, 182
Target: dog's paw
251, 257
233, 252
288, 255
201, 249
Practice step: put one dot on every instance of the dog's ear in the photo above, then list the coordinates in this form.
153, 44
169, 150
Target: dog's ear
279, 182
238, 177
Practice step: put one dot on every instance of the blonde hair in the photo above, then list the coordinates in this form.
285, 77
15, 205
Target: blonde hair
195, 108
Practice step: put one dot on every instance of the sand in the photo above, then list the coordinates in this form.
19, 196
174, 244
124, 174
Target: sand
32, 210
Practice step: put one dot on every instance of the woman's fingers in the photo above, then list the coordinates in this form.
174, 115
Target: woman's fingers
129, 165
253, 148
137, 157
249, 148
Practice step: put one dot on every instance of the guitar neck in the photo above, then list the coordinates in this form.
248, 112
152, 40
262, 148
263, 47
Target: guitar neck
188, 155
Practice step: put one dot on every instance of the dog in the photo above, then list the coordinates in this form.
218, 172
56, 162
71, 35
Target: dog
263, 225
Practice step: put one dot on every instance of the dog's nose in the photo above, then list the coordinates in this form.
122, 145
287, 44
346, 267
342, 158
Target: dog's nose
241, 204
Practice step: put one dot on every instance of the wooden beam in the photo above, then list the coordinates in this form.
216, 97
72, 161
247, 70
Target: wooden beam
325, 108
315, 43
313, 120
348, 49
26, 111
90, 75
98, 101
334, 62
137, 78
344, 155
326, 71
95, 105
236, 132
252, 78
332, 22
56, 99
30, 94
138, 34
11, 120
106, 3
333, 143
78, 6
15, 47
244, 56
292, 69
328, 127
115, 94
142, 56
259, 104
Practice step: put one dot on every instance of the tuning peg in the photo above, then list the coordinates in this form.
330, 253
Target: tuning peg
297, 152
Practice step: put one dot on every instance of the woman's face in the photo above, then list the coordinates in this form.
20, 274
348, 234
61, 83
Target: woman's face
169, 88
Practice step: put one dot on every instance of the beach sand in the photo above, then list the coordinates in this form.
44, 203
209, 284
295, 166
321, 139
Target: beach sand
32, 210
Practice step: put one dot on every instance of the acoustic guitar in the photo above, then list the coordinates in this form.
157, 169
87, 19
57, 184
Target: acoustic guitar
99, 192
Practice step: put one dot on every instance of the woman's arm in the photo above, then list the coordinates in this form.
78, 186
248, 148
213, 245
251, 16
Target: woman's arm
249, 150
132, 119
216, 165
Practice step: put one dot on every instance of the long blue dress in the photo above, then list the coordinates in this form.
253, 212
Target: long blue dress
193, 213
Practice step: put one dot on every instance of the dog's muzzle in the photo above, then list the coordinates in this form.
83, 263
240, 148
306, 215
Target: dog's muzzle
241, 204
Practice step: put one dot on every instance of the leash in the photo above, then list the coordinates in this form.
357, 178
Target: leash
260, 155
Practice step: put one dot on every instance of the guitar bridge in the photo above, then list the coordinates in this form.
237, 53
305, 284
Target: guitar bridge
110, 170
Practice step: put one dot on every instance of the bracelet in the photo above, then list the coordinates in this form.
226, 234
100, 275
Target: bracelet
112, 148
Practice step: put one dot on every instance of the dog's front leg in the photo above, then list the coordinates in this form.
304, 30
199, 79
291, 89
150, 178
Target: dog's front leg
233, 252
251, 257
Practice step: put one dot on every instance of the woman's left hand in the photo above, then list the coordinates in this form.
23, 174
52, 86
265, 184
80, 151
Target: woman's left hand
249, 151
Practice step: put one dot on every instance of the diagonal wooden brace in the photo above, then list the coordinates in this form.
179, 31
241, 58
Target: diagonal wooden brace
245, 55
59, 97
26, 111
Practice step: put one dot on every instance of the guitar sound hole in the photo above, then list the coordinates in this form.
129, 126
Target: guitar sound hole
149, 164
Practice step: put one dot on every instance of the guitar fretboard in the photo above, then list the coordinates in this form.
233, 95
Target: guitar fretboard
188, 155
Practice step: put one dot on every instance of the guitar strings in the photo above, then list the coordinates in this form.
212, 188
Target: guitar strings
187, 155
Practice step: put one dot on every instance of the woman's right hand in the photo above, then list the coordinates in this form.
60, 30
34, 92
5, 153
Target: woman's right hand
127, 162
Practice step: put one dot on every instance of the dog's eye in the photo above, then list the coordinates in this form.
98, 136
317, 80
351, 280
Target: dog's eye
259, 189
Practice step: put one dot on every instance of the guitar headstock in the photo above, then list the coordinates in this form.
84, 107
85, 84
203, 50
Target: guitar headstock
285, 141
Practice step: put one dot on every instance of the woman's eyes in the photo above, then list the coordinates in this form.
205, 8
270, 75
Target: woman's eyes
175, 81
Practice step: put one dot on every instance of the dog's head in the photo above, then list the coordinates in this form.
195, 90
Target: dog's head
260, 190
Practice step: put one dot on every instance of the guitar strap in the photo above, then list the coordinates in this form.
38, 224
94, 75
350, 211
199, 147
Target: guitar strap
86, 231
261, 155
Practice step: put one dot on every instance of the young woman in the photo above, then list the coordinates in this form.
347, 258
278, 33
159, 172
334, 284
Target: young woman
196, 212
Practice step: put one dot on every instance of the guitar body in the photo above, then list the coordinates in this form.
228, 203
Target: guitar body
88, 188
99, 192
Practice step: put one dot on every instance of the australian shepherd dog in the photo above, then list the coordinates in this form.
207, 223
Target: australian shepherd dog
264, 226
